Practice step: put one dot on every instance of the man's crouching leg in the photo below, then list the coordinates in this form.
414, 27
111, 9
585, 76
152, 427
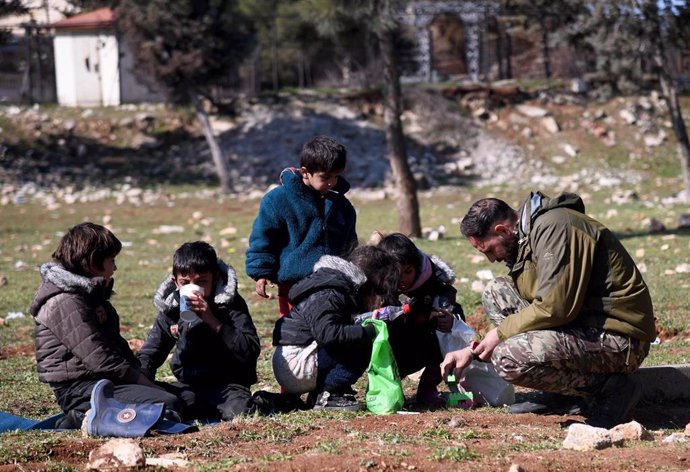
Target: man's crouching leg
536, 360
501, 299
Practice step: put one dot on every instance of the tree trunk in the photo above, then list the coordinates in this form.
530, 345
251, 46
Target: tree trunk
509, 56
274, 54
546, 57
407, 203
670, 93
219, 161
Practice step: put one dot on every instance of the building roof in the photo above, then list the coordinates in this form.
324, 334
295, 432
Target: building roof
101, 18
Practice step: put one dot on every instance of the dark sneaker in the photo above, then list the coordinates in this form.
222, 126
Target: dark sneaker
615, 400
269, 403
430, 397
546, 403
337, 401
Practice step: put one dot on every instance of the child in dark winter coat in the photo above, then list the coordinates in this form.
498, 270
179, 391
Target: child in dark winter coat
306, 217
428, 280
318, 348
78, 339
216, 352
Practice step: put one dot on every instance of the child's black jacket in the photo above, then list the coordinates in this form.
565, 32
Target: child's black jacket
323, 306
203, 357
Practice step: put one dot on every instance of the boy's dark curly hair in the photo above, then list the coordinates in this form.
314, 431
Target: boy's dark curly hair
323, 154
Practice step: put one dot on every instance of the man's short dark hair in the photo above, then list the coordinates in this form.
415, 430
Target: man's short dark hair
401, 248
381, 269
323, 154
86, 245
194, 258
483, 215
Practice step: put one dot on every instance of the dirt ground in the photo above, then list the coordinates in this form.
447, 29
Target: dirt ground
483, 439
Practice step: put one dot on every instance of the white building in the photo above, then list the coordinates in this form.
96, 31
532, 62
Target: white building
91, 67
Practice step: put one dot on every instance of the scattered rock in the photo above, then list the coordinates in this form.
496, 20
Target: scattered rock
117, 453
434, 234
168, 229
632, 431
628, 116
14, 315
675, 438
683, 269
477, 286
578, 85
655, 140
550, 124
457, 422
527, 133
485, 274
481, 113
570, 150
230, 230
168, 460
624, 196
582, 437
687, 430
531, 111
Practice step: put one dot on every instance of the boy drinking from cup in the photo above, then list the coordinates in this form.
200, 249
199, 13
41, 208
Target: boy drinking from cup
201, 313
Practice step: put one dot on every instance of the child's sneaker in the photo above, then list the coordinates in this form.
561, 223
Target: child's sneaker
429, 396
337, 401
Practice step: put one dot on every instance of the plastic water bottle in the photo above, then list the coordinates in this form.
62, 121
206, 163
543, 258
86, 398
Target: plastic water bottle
387, 313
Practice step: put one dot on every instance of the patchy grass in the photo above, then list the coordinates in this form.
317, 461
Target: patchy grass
29, 234
453, 454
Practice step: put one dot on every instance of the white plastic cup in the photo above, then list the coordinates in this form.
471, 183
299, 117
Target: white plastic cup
187, 292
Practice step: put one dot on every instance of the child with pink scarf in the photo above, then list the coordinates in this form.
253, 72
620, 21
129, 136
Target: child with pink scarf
428, 280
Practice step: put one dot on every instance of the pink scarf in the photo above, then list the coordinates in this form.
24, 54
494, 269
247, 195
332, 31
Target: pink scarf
422, 275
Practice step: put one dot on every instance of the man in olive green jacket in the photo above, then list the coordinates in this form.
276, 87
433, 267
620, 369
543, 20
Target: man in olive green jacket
574, 319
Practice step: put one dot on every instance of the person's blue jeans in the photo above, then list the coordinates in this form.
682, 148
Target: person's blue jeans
337, 373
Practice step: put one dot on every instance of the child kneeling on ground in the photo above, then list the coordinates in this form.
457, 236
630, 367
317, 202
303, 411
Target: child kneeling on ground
318, 348
217, 347
429, 280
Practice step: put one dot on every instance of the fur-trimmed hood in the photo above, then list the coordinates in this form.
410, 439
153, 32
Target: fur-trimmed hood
329, 272
57, 279
350, 270
166, 299
442, 271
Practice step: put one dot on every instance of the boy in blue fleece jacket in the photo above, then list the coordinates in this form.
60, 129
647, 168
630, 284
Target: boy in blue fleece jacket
305, 218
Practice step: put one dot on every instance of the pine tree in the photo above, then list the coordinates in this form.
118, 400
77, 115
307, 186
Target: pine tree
9, 8
82, 6
187, 46
547, 16
628, 37
377, 17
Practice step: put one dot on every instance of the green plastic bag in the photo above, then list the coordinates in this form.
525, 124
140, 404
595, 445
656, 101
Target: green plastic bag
384, 392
